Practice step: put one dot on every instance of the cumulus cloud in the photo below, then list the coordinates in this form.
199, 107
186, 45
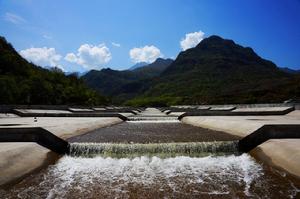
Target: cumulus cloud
42, 56
71, 57
191, 40
90, 56
13, 18
145, 54
115, 44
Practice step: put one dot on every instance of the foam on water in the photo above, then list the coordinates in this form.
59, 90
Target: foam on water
151, 118
152, 177
136, 149
153, 121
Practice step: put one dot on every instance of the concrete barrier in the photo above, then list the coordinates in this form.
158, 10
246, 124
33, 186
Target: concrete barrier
227, 107
21, 113
267, 132
35, 134
234, 113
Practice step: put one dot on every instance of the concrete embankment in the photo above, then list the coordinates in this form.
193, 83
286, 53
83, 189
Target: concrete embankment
20, 159
281, 153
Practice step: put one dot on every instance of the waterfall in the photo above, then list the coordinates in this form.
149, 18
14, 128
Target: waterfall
152, 118
151, 149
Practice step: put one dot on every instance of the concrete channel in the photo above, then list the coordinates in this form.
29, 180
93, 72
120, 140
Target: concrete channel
247, 127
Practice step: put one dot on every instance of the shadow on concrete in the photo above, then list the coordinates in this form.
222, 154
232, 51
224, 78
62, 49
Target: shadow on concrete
267, 132
60, 146
37, 135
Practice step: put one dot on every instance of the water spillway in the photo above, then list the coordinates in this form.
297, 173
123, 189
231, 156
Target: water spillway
152, 149
152, 131
155, 157
230, 176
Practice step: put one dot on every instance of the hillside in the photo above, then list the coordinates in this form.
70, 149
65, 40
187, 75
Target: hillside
216, 71
219, 71
289, 70
22, 82
138, 65
123, 85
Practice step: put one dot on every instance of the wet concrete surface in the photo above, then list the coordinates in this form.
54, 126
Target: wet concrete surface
160, 132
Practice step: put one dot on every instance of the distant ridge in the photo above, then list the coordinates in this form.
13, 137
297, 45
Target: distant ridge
219, 71
126, 84
138, 65
290, 71
216, 71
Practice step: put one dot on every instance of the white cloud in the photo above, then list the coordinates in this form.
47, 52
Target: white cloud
145, 54
191, 40
13, 18
115, 44
90, 56
71, 57
42, 56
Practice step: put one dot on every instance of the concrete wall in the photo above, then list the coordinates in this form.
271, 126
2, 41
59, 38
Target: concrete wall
20, 159
281, 153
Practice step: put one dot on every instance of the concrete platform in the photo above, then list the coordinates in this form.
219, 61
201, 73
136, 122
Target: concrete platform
38, 111
20, 159
176, 113
263, 109
99, 109
66, 113
203, 107
283, 154
7, 115
80, 109
228, 108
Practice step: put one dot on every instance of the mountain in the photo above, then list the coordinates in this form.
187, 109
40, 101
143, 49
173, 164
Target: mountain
138, 65
123, 85
154, 69
219, 71
22, 82
290, 71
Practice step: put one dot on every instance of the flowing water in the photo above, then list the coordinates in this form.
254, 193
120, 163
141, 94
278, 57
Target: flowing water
150, 158
194, 149
230, 176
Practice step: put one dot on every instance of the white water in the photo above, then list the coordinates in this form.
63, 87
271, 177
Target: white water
153, 121
152, 149
152, 177
148, 118
115, 175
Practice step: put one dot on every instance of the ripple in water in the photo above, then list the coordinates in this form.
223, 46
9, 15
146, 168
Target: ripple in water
152, 177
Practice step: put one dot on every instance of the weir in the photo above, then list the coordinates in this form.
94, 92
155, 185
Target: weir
60, 146
152, 155
151, 149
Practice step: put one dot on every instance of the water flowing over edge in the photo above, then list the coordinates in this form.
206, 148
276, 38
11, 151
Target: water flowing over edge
180, 176
151, 149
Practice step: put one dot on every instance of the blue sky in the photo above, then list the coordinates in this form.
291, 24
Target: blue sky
80, 35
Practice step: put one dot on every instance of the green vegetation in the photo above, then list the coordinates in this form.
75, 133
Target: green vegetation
123, 85
216, 71
24, 83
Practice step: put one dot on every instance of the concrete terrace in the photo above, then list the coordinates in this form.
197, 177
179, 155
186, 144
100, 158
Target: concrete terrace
20, 159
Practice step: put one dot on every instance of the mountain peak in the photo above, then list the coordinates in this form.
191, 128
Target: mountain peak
217, 54
215, 41
138, 65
